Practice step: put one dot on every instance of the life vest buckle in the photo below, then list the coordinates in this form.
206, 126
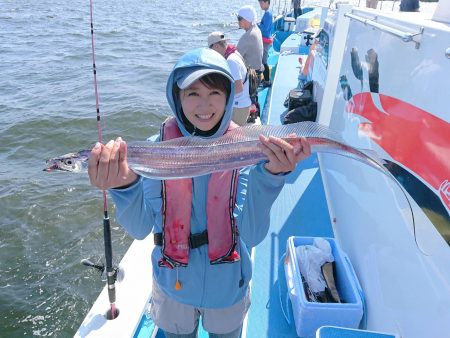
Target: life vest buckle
198, 239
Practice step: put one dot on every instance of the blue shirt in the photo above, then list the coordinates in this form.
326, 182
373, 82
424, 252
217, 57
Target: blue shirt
265, 26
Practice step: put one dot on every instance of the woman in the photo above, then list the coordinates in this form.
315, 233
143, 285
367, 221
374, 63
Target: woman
203, 227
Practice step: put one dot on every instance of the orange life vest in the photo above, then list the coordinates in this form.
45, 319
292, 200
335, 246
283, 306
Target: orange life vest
176, 213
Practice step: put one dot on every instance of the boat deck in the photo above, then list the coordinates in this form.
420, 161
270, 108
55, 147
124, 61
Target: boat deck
285, 78
300, 210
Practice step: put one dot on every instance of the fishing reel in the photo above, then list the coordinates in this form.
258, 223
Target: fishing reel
118, 272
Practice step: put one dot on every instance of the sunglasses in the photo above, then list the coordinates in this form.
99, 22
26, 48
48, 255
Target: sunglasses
240, 18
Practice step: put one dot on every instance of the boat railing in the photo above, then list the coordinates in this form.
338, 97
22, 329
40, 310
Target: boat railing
281, 7
405, 36
381, 4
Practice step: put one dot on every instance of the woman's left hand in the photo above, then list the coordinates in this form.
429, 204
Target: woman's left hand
283, 156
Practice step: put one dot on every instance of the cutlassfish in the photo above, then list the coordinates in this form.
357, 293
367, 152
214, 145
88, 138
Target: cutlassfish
195, 156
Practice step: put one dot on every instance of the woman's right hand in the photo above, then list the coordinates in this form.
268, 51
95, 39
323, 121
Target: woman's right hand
108, 166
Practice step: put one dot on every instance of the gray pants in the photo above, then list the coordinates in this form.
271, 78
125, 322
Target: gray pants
265, 56
235, 334
181, 320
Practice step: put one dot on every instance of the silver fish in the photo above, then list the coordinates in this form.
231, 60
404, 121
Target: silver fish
74, 162
195, 156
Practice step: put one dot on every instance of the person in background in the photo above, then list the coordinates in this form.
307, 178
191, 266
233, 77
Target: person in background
296, 4
242, 101
265, 26
372, 4
203, 227
250, 45
409, 5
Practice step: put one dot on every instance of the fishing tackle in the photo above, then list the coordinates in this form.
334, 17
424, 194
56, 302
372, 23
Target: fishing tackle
119, 273
111, 272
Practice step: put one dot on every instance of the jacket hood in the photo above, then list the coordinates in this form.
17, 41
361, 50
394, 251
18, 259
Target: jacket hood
194, 60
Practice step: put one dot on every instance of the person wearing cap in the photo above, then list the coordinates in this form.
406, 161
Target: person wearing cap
409, 6
250, 44
242, 101
192, 220
296, 5
265, 26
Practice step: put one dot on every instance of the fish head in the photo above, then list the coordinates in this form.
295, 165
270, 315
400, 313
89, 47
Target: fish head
72, 162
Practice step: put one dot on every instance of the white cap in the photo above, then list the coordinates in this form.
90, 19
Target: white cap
215, 37
186, 77
248, 13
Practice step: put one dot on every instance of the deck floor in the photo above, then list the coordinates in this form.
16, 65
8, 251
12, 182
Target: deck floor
300, 210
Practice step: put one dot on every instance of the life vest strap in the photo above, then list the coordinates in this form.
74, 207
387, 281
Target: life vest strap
195, 240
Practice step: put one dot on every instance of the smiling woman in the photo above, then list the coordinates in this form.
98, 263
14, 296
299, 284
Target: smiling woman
49, 223
200, 91
203, 96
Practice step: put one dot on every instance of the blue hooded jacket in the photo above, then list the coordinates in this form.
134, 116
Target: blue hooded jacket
139, 212
196, 59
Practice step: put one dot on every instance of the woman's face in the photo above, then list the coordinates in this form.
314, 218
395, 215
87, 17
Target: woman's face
203, 106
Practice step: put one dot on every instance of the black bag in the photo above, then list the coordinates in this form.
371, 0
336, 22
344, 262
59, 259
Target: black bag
306, 112
308, 86
253, 83
298, 98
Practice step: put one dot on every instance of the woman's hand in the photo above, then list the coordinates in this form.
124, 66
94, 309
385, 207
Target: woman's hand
108, 166
283, 156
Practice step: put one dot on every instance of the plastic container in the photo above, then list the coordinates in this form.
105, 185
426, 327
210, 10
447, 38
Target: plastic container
302, 24
309, 316
289, 24
308, 19
315, 22
333, 332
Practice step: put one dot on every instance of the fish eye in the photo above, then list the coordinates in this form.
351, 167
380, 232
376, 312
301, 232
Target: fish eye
68, 162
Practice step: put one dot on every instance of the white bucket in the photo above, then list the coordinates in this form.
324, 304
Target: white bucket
289, 24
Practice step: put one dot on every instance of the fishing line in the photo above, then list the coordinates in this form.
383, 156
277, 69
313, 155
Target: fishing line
384, 170
110, 271
232, 30
405, 193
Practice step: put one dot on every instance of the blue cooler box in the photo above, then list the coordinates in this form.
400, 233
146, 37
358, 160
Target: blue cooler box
309, 316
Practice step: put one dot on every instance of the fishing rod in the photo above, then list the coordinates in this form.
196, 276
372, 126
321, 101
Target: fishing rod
232, 30
111, 272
